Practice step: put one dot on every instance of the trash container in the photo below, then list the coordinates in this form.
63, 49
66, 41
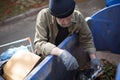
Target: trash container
118, 73
111, 2
51, 68
105, 27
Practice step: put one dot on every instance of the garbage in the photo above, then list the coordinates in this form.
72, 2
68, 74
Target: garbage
106, 72
83, 74
11, 51
19, 65
109, 70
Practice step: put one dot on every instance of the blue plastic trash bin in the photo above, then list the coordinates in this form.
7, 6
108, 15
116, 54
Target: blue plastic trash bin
118, 73
112, 2
105, 27
51, 68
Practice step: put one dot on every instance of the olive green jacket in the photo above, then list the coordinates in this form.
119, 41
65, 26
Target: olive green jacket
46, 32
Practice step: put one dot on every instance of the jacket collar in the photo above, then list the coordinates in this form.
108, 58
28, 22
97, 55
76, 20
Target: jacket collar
73, 19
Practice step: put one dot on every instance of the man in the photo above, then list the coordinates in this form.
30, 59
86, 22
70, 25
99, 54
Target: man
57, 22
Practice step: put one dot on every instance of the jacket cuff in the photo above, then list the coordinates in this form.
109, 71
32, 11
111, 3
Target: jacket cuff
90, 50
48, 47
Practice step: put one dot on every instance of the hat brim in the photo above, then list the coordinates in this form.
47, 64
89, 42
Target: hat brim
66, 14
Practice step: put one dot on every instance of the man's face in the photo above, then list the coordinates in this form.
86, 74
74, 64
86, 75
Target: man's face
64, 22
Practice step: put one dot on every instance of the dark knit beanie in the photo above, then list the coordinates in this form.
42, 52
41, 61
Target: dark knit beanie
61, 8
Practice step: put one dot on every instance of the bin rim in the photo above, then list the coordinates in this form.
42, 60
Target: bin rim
99, 12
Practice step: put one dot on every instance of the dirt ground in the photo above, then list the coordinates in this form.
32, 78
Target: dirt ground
112, 57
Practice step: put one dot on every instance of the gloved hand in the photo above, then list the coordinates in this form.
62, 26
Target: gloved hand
69, 61
95, 63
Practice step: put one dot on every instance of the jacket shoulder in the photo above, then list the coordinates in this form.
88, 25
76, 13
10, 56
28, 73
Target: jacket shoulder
44, 15
44, 12
78, 13
78, 16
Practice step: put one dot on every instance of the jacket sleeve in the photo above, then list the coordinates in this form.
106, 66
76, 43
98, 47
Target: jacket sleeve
85, 36
42, 46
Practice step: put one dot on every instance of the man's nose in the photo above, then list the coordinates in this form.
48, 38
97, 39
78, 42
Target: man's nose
65, 21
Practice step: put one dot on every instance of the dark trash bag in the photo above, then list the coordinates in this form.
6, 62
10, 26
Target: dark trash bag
83, 74
1, 69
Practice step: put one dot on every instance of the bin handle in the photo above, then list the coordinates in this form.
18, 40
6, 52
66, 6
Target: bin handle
27, 38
